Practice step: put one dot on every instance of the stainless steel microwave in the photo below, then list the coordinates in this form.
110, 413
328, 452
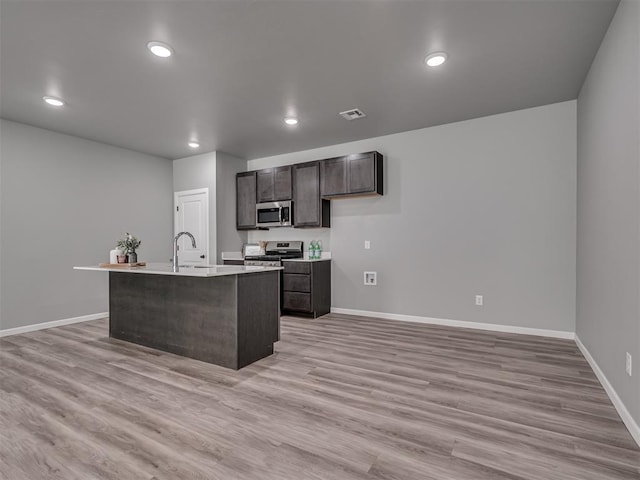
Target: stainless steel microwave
274, 214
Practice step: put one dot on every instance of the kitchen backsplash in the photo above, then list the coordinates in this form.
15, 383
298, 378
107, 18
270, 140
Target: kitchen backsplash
285, 233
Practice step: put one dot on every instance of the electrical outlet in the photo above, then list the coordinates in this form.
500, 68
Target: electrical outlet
479, 300
367, 244
628, 364
370, 278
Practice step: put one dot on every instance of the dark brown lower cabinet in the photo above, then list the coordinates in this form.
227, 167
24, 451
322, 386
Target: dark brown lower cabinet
306, 288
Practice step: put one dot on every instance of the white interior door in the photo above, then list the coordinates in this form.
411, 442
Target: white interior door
192, 215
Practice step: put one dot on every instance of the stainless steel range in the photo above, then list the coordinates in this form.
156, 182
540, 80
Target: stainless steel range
275, 252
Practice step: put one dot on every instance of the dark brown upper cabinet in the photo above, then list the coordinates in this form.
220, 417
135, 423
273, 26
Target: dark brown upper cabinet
359, 174
274, 184
309, 210
333, 173
246, 200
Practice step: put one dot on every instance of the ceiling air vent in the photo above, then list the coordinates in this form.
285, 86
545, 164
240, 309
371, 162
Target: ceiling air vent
353, 114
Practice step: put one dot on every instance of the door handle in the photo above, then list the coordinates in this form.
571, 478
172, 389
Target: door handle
201, 256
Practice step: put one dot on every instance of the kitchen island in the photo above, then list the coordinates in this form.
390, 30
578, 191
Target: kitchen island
225, 315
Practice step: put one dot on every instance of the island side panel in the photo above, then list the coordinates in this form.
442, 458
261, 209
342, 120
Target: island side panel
137, 310
258, 315
190, 316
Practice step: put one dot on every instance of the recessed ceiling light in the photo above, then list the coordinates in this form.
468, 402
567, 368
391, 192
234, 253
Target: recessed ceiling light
435, 59
291, 121
53, 101
160, 49
193, 144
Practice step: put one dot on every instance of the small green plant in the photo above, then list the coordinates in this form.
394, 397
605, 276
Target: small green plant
128, 244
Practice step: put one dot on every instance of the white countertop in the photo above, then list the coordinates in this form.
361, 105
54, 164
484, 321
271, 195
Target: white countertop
190, 271
307, 259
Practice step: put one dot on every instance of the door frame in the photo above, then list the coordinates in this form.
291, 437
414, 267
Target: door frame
195, 191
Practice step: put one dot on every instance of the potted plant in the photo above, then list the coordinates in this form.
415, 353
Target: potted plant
129, 245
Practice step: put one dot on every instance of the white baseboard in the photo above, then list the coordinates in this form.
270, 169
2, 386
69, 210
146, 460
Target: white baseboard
55, 323
494, 327
628, 420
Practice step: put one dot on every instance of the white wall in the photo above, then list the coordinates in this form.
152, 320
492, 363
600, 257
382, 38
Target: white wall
608, 300
486, 206
199, 171
228, 238
217, 172
65, 201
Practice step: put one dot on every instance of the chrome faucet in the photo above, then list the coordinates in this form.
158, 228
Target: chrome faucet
175, 246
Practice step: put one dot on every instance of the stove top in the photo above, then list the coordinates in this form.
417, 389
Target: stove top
277, 251
273, 258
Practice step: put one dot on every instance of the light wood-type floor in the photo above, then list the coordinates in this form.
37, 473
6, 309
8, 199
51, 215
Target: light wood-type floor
344, 398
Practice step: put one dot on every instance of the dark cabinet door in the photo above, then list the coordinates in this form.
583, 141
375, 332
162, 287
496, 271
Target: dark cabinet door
297, 301
357, 174
333, 176
309, 209
306, 194
246, 200
361, 173
265, 185
282, 183
274, 184
296, 283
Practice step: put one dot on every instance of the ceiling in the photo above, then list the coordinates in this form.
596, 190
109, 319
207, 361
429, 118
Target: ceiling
240, 67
